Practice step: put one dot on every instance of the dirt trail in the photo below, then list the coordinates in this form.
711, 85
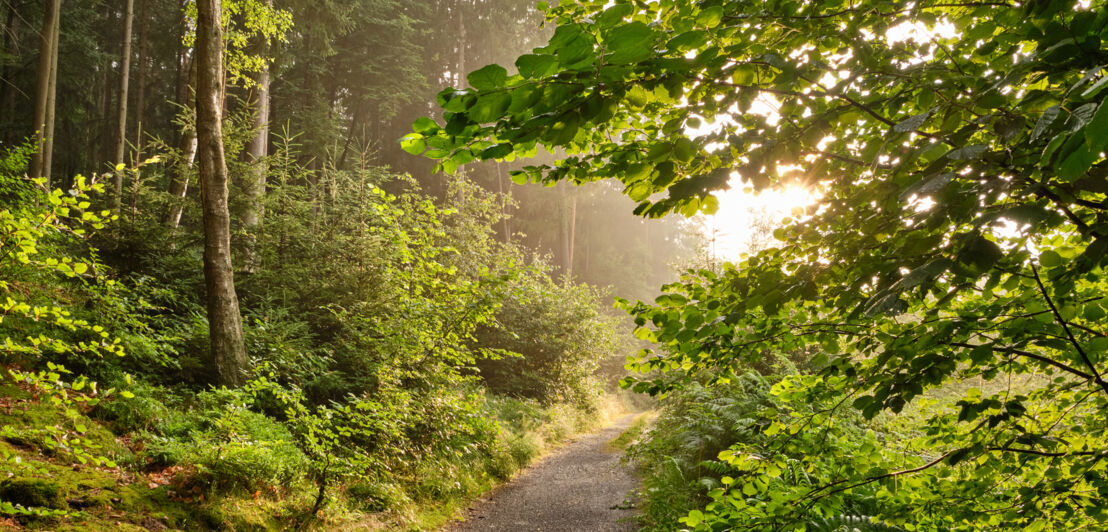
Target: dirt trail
581, 487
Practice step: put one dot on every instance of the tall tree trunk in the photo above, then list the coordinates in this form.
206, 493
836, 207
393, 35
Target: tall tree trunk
140, 105
572, 232
11, 46
256, 150
51, 104
503, 204
45, 64
104, 112
460, 81
124, 79
228, 351
186, 84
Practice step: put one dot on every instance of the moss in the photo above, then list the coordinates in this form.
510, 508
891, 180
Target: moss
33, 493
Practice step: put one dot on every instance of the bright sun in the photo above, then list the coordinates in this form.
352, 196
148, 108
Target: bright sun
745, 220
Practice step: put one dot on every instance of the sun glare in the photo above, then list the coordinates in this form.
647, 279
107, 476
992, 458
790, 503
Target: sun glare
746, 220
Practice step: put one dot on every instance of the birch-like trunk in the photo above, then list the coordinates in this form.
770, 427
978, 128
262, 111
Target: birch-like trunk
124, 79
228, 352
51, 104
253, 185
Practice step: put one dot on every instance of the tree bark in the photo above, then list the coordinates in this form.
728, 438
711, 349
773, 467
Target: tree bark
460, 79
503, 204
140, 104
51, 101
45, 63
228, 353
179, 182
11, 44
124, 79
253, 184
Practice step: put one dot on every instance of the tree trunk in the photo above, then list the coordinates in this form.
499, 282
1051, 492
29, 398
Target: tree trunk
572, 233
503, 204
104, 112
256, 150
11, 45
51, 104
45, 63
124, 79
140, 105
228, 353
460, 79
179, 182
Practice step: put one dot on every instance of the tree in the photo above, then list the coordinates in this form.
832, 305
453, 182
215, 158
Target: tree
47, 63
256, 150
224, 320
962, 231
121, 122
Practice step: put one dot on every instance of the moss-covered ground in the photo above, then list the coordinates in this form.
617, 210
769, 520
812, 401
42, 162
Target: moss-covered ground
130, 491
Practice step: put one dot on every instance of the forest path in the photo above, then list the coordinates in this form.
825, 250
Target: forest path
582, 486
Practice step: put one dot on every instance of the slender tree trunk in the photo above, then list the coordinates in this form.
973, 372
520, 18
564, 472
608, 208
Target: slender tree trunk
224, 321
11, 45
105, 104
256, 150
140, 105
51, 104
179, 182
124, 79
45, 63
460, 81
572, 232
503, 204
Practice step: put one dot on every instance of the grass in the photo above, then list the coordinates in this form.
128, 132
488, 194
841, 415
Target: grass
633, 432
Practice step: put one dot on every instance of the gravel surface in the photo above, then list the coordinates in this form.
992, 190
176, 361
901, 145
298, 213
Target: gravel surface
581, 487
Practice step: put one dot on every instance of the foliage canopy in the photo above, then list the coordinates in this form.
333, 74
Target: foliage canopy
958, 149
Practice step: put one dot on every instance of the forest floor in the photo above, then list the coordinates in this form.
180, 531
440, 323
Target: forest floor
582, 486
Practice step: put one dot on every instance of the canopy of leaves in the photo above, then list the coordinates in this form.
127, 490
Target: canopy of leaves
958, 149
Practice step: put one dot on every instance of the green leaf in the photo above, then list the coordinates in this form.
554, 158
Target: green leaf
424, 125
710, 17
534, 66
571, 44
630, 43
488, 77
497, 151
413, 143
1050, 259
1077, 163
490, 107
688, 40
1096, 131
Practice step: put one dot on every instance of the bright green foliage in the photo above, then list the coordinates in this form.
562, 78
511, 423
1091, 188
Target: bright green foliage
557, 336
710, 439
961, 234
36, 330
242, 22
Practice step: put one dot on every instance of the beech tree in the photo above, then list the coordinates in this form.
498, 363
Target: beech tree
224, 320
959, 153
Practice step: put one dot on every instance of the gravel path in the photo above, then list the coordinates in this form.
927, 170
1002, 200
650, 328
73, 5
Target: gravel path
580, 487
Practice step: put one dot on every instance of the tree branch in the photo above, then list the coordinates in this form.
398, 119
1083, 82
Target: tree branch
1028, 354
1065, 327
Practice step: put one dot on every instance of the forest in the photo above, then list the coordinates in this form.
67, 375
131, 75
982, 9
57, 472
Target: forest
364, 264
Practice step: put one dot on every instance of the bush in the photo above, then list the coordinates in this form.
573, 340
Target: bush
559, 336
